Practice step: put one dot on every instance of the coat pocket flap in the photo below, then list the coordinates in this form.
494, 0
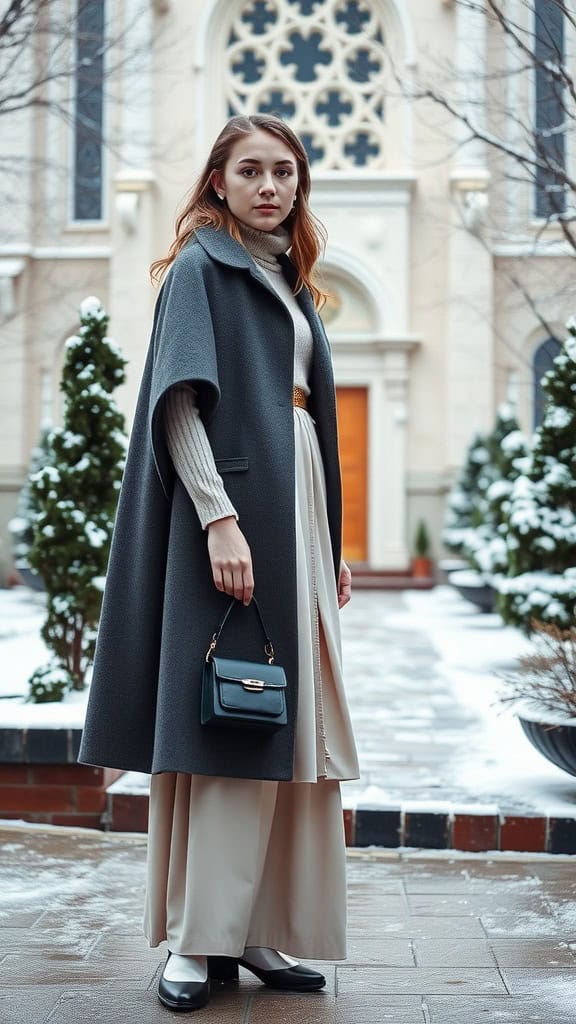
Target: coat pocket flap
237, 465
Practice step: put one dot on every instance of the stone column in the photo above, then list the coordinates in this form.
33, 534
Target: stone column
131, 297
388, 544
469, 314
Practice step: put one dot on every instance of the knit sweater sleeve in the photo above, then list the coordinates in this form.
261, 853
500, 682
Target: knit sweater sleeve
192, 456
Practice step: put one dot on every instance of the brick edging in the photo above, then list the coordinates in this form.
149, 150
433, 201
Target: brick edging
39, 746
465, 828
41, 781
460, 829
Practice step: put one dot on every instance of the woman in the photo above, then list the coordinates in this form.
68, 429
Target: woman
232, 488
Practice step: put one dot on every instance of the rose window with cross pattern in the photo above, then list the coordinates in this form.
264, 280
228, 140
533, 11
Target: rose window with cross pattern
319, 64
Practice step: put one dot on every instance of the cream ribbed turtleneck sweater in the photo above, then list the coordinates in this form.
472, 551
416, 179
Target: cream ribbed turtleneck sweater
264, 248
185, 434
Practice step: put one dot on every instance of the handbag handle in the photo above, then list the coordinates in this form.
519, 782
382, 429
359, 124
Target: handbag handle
268, 648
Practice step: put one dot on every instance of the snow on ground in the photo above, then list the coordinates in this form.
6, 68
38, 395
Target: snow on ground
21, 647
22, 613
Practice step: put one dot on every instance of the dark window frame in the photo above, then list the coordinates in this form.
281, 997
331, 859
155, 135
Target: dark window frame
542, 360
88, 150
549, 113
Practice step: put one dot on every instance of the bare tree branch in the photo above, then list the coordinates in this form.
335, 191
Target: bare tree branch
532, 153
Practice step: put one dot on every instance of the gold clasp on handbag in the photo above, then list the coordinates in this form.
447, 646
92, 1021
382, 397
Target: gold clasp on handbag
269, 652
254, 685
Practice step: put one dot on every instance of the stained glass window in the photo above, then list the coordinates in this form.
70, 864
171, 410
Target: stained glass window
320, 64
88, 114
550, 115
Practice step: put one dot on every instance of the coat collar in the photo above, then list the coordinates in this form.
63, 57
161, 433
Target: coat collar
225, 249
222, 247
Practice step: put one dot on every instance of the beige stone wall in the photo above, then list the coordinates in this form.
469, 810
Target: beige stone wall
518, 331
443, 335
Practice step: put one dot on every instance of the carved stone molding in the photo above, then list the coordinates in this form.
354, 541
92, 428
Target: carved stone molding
10, 269
470, 190
130, 185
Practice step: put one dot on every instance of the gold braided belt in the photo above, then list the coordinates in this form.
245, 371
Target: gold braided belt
299, 397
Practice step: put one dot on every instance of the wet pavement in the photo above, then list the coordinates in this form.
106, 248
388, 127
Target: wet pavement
438, 939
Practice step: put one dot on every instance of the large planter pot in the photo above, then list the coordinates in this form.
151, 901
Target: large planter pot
30, 578
554, 738
447, 566
471, 586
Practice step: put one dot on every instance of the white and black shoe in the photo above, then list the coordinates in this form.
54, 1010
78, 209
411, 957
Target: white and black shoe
185, 984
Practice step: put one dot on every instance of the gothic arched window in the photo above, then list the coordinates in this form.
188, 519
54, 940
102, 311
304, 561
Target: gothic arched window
542, 361
88, 114
319, 65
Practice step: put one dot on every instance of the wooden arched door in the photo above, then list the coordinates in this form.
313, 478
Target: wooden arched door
352, 405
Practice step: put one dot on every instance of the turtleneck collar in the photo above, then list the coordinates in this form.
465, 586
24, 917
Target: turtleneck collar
266, 246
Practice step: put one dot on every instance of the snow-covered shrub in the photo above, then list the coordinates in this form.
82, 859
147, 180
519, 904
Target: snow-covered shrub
463, 509
475, 521
49, 683
76, 495
541, 515
507, 447
21, 526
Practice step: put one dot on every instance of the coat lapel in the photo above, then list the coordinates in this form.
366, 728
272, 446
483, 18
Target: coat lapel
225, 249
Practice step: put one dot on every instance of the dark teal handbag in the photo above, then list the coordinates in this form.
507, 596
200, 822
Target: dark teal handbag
239, 694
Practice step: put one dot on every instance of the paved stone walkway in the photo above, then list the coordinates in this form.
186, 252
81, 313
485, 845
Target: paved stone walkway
421, 739
408, 725
431, 939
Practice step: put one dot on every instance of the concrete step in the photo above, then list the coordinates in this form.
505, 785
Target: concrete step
383, 581
364, 578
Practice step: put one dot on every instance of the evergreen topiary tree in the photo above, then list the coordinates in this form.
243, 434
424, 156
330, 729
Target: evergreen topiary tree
75, 497
463, 512
541, 519
485, 547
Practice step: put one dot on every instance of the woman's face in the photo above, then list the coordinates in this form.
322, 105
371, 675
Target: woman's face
259, 181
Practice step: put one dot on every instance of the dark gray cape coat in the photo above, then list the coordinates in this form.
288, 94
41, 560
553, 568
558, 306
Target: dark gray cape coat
219, 324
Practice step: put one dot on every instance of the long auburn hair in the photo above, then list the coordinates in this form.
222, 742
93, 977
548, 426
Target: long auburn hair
202, 207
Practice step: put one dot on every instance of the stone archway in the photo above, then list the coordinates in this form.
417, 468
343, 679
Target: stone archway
371, 367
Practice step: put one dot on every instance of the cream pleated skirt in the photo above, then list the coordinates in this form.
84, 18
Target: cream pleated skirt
242, 862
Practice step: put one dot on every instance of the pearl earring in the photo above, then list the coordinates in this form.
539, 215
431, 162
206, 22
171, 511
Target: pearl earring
220, 195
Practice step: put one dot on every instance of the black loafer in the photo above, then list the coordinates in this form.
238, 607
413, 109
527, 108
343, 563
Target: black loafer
183, 995
290, 979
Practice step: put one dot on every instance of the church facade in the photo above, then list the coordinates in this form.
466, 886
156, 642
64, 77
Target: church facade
445, 300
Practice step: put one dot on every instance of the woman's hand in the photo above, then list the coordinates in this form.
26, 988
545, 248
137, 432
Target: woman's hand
230, 559
344, 585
